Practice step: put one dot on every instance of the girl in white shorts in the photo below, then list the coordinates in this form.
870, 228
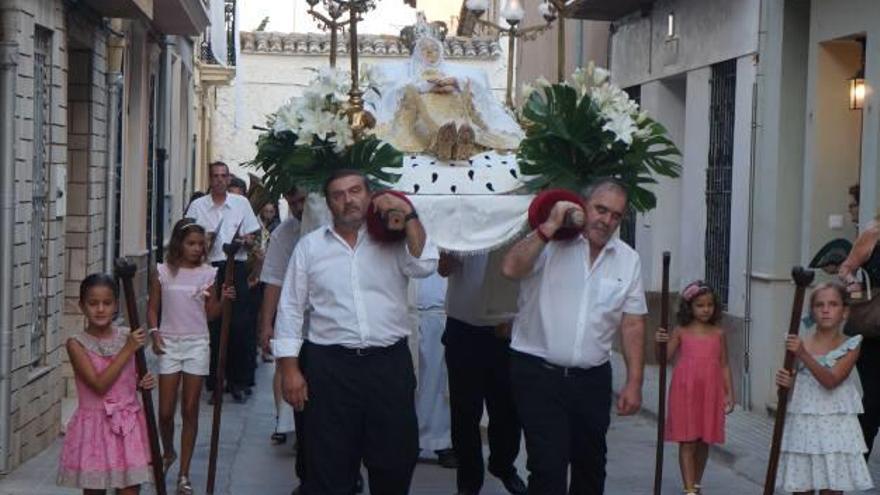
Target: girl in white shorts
184, 287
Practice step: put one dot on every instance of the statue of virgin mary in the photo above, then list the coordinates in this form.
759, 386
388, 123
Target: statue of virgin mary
431, 106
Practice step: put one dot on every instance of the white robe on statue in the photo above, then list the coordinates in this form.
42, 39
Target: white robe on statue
408, 113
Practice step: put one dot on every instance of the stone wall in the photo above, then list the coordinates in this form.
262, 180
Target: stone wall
55, 250
85, 221
37, 340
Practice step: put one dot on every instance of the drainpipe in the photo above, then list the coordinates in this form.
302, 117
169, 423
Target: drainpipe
8, 74
750, 235
115, 47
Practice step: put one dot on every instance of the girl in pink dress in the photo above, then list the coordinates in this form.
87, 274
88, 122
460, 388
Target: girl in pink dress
106, 444
182, 292
701, 391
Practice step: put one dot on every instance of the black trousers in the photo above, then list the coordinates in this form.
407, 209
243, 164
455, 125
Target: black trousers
299, 421
361, 408
868, 366
565, 416
241, 354
478, 363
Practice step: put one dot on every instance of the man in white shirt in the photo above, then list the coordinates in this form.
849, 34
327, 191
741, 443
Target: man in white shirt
478, 359
357, 386
574, 296
223, 215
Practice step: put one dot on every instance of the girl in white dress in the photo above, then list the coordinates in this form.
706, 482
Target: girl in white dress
822, 444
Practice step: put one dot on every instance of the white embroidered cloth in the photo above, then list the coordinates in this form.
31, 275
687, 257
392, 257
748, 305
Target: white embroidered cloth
485, 173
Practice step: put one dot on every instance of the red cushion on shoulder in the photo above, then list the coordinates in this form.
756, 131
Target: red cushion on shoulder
376, 227
539, 210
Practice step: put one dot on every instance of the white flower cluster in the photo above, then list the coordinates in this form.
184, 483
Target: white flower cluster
320, 112
621, 114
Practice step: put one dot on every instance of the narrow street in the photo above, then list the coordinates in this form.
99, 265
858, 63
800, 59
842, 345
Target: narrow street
250, 465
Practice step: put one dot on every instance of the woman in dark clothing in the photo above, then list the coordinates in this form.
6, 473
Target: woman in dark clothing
866, 255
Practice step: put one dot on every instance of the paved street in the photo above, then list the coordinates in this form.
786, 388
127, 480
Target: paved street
249, 465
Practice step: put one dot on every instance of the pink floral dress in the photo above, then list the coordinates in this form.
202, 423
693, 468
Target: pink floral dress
106, 445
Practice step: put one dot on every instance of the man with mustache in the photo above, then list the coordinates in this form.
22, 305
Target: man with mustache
357, 387
574, 296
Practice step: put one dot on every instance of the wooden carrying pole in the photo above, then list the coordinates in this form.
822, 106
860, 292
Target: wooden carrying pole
228, 280
802, 278
661, 363
125, 271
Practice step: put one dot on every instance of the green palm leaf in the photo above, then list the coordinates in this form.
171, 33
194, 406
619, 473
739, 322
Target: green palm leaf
566, 146
286, 163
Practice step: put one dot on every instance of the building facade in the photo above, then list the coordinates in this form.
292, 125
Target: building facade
97, 99
756, 96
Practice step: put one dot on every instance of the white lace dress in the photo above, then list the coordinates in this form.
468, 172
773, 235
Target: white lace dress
822, 445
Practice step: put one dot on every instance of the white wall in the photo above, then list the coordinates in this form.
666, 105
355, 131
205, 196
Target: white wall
831, 162
660, 229
739, 204
692, 246
708, 31
837, 19
135, 143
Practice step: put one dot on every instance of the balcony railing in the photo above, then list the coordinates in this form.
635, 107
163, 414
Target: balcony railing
231, 31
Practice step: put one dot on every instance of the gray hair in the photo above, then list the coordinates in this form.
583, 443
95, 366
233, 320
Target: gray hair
605, 184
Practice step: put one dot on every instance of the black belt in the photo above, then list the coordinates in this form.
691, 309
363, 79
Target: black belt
218, 263
555, 369
342, 350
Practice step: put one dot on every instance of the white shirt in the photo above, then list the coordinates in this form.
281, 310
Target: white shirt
357, 297
234, 212
281, 244
464, 297
570, 311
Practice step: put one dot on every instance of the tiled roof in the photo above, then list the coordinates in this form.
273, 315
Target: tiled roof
369, 44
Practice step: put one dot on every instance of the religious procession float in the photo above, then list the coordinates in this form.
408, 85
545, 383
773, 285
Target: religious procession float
472, 166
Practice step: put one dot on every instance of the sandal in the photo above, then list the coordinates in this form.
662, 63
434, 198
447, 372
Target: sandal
278, 438
184, 487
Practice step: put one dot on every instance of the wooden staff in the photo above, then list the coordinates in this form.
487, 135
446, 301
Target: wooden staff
661, 358
228, 280
802, 278
125, 271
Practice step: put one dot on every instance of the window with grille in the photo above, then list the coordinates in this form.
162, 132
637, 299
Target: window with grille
230, 31
719, 177
39, 232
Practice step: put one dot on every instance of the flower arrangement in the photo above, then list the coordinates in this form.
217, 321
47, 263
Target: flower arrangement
587, 128
310, 136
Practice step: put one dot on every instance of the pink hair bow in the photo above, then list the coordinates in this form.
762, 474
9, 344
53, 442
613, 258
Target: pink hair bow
693, 289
